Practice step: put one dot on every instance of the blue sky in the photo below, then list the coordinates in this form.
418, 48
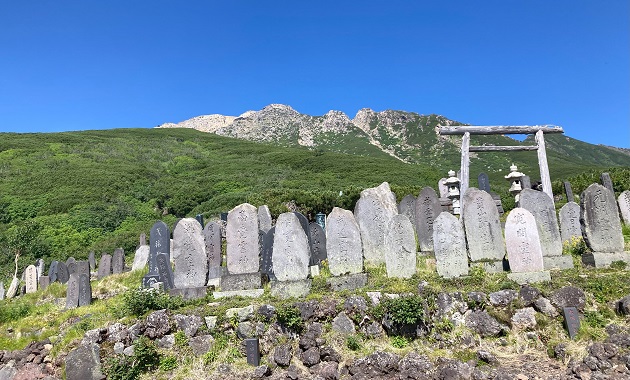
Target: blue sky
75, 65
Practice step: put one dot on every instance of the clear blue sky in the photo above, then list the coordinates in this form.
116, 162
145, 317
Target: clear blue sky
74, 65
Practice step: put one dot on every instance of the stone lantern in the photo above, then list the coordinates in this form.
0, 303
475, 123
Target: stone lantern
452, 184
515, 177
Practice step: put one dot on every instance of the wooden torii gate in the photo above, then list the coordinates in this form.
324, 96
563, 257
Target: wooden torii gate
466, 131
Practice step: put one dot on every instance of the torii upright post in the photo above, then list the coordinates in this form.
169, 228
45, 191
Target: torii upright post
545, 178
464, 169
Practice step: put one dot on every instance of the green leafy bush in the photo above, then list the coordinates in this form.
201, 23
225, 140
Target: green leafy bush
353, 342
145, 358
138, 301
290, 317
399, 341
12, 310
406, 310
168, 363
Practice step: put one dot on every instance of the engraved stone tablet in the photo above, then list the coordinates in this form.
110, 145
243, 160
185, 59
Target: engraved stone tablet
159, 242
149, 280
71, 265
242, 240
104, 266
143, 239
199, 218
291, 253
253, 351
41, 267
62, 272
373, 211
212, 238
318, 241
85, 289
72, 293
118, 261
427, 209
522, 242
266, 263
526, 182
52, 271
400, 243
450, 246
443, 187
484, 182
544, 211
165, 271
607, 182
600, 220
306, 227
189, 253
570, 221
624, 206
568, 191
44, 281
92, 261
482, 226
264, 218
571, 321
140, 258
31, 279
407, 206
343, 243
83, 267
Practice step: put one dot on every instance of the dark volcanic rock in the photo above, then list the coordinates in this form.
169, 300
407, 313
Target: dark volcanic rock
282, 355
158, 324
484, 324
569, 296
377, 364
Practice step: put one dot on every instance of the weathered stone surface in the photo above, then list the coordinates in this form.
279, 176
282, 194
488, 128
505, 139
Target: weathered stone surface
524, 319
104, 267
214, 276
41, 267
542, 208
484, 182
373, 212
141, 258
164, 270
343, 243
600, 220
253, 293
191, 262
407, 206
13, 287
158, 324
52, 270
569, 296
568, 191
85, 289
544, 306
91, 260
347, 282
282, 355
522, 242
118, 261
241, 313
624, 206
31, 278
558, 262
343, 324
400, 252
189, 293
502, 298
264, 218
242, 240
291, 252
607, 182
290, 289
523, 278
189, 324
44, 282
72, 292
241, 281
449, 245
84, 363
482, 226
603, 260
318, 244
443, 188
159, 242
570, 222
266, 253
482, 323
212, 238
201, 344
82, 267
71, 265
379, 365
427, 209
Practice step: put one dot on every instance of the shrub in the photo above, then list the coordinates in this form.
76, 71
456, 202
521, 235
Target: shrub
407, 310
576, 246
399, 341
290, 317
144, 359
138, 301
168, 363
353, 342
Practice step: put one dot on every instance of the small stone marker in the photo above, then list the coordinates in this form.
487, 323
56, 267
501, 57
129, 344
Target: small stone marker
252, 350
571, 321
149, 280
44, 281
141, 257
41, 267
568, 191
118, 261
242, 240
543, 209
71, 264
600, 220
159, 242
143, 239
407, 206
373, 211
191, 262
427, 209
482, 226
165, 272
624, 205
320, 218
526, 182
607, 182
2, 292
212, 238
570, 221
264, 218
85, 289
343, 243
266, 263
291, 253
104, 266
318, 241
224, 216
522, 242
62, 273
92, 261
199, 218
83, 267
52, 271
72, 293
31, 279
484, 182
450, 246
400, 243
443, 187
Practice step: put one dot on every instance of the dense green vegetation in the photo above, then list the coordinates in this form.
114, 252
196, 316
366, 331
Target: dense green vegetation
64, 194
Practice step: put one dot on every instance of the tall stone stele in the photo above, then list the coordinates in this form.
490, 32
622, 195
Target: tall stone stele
290, 259
524, 250
449, 242
483, 230
601, 227
624, 206
189, 254
570, 222
343, 243
242, 240
407, 206
400, 243
427, 209
373, 211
